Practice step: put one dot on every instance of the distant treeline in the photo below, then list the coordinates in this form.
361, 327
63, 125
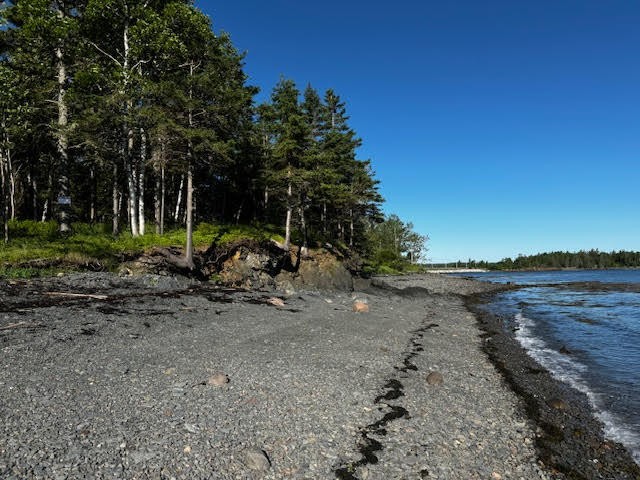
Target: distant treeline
552, 260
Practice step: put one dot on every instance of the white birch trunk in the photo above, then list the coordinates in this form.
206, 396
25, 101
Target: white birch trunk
62, 140
12, 185
45, 211
92, 206
162, 199
128, 137
116, 202
189, 220
176, 215
141, 173
132, 202
4, 155
324, 218
156, 201
188, 254
287, 225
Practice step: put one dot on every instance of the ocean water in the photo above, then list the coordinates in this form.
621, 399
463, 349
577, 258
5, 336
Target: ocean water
584, 327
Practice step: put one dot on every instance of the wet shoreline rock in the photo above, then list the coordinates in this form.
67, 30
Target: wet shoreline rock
571, 438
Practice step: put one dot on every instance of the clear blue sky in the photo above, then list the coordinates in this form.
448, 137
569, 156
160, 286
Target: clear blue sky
497, 128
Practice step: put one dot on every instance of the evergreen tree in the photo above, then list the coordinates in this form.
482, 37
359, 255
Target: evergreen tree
289, 152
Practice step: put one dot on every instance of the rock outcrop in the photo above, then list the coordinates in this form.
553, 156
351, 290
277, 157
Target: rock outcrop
264, 265
256, 265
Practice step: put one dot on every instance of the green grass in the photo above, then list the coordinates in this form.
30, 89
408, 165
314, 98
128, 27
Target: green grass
38, 242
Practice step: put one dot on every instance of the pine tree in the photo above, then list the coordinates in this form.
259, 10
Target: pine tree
289, 149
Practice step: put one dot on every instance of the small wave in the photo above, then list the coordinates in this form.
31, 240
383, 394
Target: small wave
570, 371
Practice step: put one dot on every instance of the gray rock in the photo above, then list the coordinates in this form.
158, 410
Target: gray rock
256, 459
435, 378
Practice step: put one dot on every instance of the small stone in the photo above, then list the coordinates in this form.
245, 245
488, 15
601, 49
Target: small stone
496, 476
435, 378
276, 302
218, 380
256, 459
170, 371
557, 403
189, 427
125, 272
360, 307
187, 449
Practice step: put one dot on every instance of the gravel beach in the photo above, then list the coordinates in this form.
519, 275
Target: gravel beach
155, 377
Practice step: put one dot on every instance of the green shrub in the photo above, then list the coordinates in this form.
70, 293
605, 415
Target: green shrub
44, 231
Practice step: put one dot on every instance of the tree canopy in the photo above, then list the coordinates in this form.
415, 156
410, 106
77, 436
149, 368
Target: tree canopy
123, 111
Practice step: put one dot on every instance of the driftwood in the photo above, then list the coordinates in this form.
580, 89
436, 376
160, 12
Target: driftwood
15, 325
77, 295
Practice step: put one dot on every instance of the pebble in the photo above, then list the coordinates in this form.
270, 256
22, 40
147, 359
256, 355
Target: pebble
360, 307
435, 378
218, 380
256, 459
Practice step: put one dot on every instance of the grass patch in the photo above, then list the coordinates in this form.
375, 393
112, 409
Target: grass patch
40, 242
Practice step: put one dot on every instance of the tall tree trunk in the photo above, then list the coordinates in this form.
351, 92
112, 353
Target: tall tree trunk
303, 227
351, 227
188, 254
48, 204
141, 173
176, 215
12, 185
34, 196
156, 200
239, 211
132, 200
127, 154
5, 195
62, 142
115, 197
4, 157
324, 218
162, 199
287, 225
92, 202
45, 211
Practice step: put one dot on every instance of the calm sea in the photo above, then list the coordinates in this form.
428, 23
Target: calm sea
586, 334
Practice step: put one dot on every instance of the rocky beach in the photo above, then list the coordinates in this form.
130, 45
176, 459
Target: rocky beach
162, 377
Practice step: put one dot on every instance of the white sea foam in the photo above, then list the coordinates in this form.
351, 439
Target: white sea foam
571, 372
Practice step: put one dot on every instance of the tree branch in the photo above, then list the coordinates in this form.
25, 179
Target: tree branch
106, 54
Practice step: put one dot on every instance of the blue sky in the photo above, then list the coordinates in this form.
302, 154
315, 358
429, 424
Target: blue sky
497, 128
